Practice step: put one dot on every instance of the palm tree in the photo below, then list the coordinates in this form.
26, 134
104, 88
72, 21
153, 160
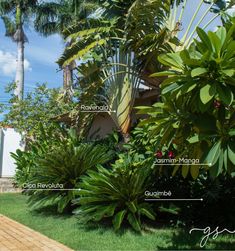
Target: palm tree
149, 27
14, 14
55, 17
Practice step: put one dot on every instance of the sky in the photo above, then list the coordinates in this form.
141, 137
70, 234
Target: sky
41, 54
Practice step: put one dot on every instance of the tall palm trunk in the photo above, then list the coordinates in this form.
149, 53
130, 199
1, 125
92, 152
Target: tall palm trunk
20, 38
67, 77
19, 79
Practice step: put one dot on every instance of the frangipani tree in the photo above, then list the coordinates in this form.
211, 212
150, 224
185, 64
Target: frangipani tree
197, 116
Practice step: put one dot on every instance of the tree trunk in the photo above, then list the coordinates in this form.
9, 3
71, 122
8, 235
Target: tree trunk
67, 77
19, 79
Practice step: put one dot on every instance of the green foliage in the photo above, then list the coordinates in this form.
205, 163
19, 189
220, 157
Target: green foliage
205, 71
196, 118
26, 161
116, 193
38, 107
92, 34
59, 170
54, 17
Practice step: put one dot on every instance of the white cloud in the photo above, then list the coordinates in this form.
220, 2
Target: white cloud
8, 63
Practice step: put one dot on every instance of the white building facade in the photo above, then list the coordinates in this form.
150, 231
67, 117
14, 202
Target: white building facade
10, 141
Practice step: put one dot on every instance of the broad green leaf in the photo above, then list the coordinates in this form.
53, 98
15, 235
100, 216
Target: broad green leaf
230, 51
131, 206
231, 153
171, 59
176, 168
171, 80
147, 213
215, 42
134, 222
228, 72
194, 170
164, 73
221, 162
204, 38
198, 71
172, 209
214, 154
221, 34
187, 87
232, 132
226, 158
185, 170
170, 88
225, 94
207, 93
118, 218
194, 139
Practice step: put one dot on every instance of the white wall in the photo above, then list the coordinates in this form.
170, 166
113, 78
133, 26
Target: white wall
10, 142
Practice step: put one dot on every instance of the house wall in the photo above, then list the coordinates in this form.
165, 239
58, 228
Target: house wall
103, 124
10, 142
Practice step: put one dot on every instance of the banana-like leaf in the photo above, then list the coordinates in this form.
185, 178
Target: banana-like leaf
121, 82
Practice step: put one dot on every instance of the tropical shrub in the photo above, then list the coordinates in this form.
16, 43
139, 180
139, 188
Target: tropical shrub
59, 170
117, 193
21, 114
26, 160
196, 117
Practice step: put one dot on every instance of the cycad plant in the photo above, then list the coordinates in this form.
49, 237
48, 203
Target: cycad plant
116, 193
54, 180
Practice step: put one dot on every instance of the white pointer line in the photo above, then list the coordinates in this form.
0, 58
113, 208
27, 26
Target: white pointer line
42, 189
98, 111
174, 199
172, 164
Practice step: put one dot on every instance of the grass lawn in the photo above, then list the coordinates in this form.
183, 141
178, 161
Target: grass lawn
66, 230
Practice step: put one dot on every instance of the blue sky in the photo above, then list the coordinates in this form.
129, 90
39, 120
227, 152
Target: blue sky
41, 54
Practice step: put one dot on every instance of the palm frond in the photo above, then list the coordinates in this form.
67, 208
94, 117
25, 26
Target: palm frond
6, 7
9, 26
